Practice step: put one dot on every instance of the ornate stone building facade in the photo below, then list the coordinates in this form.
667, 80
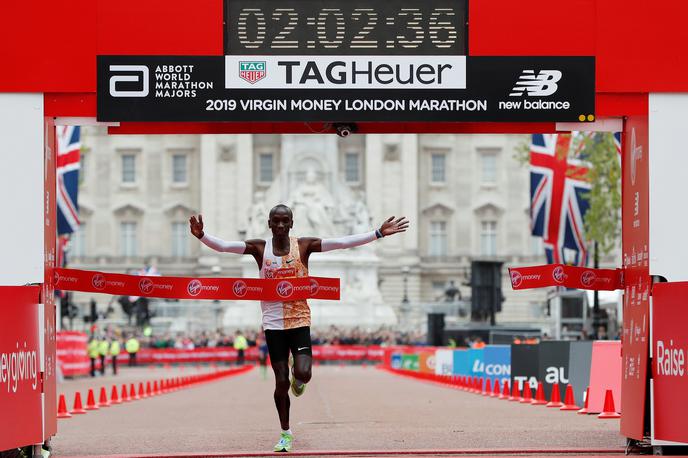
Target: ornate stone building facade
466, 196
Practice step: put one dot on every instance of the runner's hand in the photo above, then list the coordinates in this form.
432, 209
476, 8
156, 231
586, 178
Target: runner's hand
196, 226
392, 226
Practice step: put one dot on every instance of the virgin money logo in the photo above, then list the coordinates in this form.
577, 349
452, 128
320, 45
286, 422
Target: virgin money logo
588, 277
315, 287
284, 289
56, 278
558, 274
194, 287
516, 278
146, 285
98, 281
240, 288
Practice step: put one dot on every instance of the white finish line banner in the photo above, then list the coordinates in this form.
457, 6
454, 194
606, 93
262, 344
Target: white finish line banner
345, 72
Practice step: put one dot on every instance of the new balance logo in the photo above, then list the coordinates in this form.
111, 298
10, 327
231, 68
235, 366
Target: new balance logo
542, 84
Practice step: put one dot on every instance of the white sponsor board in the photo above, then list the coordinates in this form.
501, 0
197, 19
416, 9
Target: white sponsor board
345, 72
444, 362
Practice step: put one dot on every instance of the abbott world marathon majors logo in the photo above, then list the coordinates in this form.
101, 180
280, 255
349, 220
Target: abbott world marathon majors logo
168, 81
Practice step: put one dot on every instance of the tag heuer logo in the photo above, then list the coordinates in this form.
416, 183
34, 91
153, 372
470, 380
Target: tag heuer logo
252, 71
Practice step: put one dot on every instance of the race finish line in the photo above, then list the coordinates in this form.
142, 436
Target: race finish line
250, 289
567, 276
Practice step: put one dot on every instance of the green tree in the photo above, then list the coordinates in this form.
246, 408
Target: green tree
602, 221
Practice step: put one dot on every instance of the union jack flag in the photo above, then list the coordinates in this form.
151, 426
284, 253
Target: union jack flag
558, 181
68, 160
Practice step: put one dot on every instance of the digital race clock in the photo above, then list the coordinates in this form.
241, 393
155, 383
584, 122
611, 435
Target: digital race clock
352, 27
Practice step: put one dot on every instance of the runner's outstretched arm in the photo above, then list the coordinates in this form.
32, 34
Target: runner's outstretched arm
389, 227
217, 244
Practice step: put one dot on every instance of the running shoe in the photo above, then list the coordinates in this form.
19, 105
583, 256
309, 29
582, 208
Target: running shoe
284, 444
295, 389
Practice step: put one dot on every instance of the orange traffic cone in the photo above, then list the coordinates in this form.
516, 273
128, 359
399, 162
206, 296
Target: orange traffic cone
142, 392
103, 400
555, 399
569, 400
586, 395
515, 395
505, 390
609, 411
495, 389
78, 408
149, 393
62, 408
91, 402
527, 394
156, 390
539, 399
114, 398
487, 389
133, 396
125, 395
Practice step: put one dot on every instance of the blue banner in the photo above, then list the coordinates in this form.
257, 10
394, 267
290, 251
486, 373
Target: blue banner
475, 361
461, 366
396, 360
497, 362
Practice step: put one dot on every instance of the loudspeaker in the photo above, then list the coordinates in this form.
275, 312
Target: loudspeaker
436, 329
486, 290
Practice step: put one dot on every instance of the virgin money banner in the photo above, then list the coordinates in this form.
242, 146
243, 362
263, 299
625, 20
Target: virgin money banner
251, 289
21, 408
669, 371
228, 354
567, 276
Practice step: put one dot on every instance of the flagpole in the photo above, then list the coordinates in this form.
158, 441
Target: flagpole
596, 297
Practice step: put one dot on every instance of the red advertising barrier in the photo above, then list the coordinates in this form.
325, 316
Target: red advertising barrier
669, 371
71, 353
635, 227
73, 360
568, 276
252, 289
605, 374
21, 408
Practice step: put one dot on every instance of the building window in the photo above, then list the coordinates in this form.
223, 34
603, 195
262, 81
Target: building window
438, 238
128, 168
180, 240
352, 167
128, 239
78, 242
439, 163
488, 165
488, 238
266, 167
179, 168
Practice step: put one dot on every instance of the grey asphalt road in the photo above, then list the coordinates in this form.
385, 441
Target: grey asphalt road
344, 408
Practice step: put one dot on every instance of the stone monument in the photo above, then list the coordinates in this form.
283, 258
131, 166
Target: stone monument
324, 206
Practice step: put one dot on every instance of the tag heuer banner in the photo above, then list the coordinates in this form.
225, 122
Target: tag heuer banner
345, 88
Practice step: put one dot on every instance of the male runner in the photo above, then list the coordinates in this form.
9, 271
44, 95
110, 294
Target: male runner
287, 324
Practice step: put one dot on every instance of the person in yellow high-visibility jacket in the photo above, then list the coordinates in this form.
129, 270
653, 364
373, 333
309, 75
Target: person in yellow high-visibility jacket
114, 351
92, 350
103, 348
240, 345
132, 347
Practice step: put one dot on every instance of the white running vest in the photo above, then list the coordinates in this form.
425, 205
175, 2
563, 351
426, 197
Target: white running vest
284, 315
